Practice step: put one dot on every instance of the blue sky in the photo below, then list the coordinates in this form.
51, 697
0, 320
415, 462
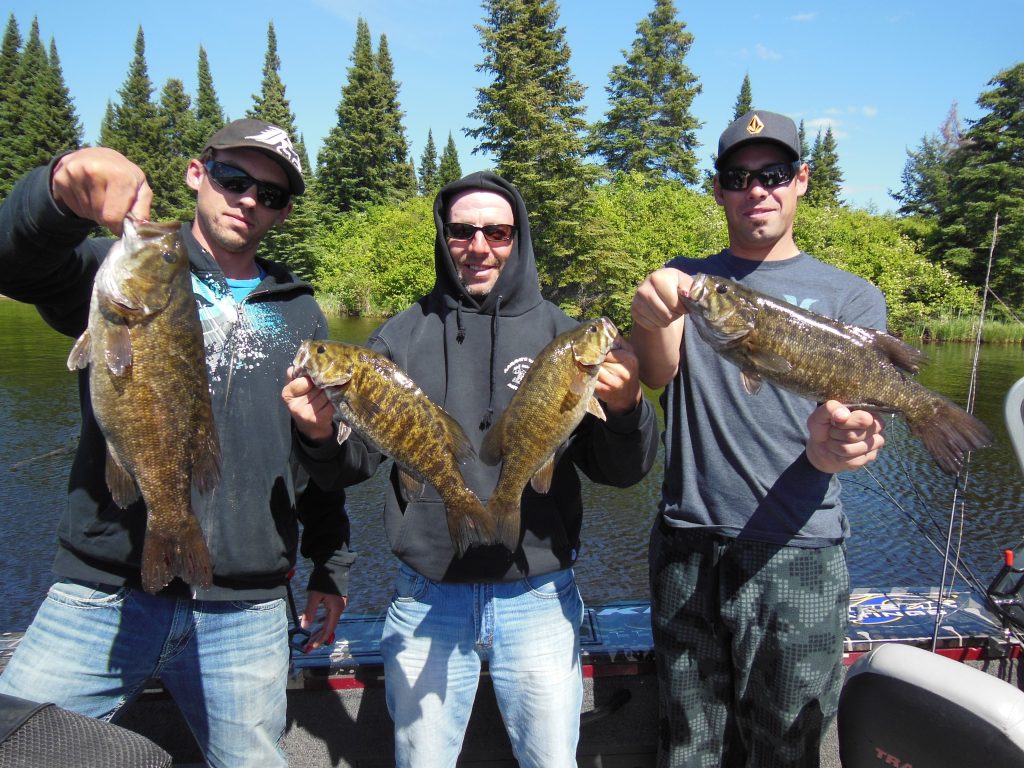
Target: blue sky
882, 74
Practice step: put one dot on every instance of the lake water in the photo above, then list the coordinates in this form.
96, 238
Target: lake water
889, 547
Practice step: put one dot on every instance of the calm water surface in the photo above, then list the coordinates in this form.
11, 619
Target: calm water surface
39, 418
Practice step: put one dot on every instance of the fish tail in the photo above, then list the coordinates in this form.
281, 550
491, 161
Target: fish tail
507, 519
185, 555
949, 433
469, 523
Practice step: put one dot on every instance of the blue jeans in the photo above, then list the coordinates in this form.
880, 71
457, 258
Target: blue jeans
437, 634
92, 648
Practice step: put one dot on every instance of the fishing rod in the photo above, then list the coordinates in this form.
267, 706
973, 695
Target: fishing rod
965, 471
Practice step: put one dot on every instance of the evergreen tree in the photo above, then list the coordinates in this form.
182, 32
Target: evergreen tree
401, 171
925, 176
209, 116
10, 108
449, 169
986, 180
648, 126
49, 114
132, 127
28, 135
291, 242
805, 149
352, 166
825, 177
744, 99
172, 198
428, 166
532, 123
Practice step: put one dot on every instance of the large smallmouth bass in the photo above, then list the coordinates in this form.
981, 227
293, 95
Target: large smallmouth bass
823, 359
555, 394
150, 395
379, 401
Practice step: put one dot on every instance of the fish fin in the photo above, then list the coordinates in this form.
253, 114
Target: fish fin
122, 485
80, 353
458, 443
364, 409
541, 480
751, 382
594, 407
900, 354
769, 361
507, 519
184, 555
206, 468
493, 447
412, 487
471, 523
579, 383
117, 353
949, 433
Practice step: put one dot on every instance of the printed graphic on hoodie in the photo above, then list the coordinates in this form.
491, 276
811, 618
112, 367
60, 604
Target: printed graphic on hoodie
237, 336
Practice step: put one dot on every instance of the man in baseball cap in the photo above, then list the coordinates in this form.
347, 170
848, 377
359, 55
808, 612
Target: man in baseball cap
268, 138
758, 126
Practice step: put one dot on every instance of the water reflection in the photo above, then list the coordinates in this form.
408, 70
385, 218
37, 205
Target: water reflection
39, 411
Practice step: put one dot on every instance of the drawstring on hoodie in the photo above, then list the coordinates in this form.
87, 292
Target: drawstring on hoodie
461, 335
489, 416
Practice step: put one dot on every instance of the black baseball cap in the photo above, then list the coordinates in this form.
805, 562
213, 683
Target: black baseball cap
758, 126
270, 139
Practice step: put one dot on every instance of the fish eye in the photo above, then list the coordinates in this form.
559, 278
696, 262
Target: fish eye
169, 256
321, 349
721, 289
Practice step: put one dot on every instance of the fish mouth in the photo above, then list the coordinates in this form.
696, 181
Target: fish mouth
698, 289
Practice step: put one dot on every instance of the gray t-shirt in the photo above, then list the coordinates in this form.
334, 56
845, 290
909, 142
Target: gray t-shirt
735, 462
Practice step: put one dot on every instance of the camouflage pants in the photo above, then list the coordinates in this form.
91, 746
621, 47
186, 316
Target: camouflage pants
748, 638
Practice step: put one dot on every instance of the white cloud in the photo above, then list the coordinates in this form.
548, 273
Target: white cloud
870, 111
803, 17
763, 52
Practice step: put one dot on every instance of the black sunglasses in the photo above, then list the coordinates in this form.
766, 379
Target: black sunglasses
738, 179
232, 179
493, 233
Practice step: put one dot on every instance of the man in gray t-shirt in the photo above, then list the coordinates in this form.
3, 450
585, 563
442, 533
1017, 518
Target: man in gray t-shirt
748, 567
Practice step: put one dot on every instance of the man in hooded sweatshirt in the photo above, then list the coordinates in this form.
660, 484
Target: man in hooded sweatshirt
467, 344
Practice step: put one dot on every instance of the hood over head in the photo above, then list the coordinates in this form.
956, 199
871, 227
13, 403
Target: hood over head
517, 288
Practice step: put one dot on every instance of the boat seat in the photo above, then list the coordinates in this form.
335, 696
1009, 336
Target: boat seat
904, 706
1013, 413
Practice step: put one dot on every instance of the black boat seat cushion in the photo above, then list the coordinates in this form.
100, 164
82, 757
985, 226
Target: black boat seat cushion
904, 706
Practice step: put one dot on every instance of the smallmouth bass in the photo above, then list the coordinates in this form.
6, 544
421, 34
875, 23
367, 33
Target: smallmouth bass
150, 394
555, 394
823, 359
383, 405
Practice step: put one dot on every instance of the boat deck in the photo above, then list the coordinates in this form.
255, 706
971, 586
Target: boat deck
338, 717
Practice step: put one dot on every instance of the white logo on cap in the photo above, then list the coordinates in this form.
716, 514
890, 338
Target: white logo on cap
278, 140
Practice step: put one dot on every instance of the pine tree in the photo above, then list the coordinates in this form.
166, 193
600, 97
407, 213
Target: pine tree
290, 242
10, 107
352, 166
532, 123
29, 132
825, 177
132, 127
50, 113
986, 180
649, 127
925, 176
401, 183
744, 99
428, 166
805, 149
209, 116
449, 169
172, 198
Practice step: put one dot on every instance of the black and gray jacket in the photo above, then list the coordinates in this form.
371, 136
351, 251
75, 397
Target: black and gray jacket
468, 354
250, 520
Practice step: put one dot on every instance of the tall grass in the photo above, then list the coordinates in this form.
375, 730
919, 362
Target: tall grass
964, 329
